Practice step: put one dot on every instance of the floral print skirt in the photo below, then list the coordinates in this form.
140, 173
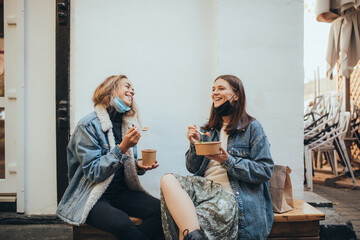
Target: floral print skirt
217, 210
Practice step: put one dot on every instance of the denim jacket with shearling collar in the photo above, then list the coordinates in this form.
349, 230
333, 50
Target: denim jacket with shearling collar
93, 158
249, 168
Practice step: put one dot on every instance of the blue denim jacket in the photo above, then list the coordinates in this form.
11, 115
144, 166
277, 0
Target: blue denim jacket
93, 158
249, 167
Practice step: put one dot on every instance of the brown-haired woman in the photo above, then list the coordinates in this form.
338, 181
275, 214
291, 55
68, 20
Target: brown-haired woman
228, 198
104, 188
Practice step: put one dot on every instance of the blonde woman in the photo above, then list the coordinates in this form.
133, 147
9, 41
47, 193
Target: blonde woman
104, 187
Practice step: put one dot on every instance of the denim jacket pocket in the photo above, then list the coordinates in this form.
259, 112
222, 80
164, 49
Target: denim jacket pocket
240, 151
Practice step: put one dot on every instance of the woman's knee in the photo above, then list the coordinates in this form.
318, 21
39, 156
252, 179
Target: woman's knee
121, 225
168, 180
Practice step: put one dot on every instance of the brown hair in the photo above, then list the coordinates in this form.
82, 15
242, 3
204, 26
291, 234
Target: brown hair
238, 116
105, 93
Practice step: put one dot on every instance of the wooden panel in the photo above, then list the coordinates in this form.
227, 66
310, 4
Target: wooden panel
7, 194
295, 229
302, 212
294, 238
300, 223
90, 233
347, 183
342, 180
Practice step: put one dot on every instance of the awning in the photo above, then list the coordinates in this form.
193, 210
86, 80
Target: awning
344, 37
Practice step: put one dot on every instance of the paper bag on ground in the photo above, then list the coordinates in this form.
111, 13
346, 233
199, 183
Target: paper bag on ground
281, 189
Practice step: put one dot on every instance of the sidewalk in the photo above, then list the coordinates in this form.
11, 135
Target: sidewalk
346, 202
15, 226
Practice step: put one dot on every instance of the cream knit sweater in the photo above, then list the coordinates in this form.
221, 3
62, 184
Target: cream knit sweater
215, 171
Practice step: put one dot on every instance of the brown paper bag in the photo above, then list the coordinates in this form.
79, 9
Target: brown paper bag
281, 189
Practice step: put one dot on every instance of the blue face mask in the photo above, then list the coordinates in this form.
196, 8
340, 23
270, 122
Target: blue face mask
119, 105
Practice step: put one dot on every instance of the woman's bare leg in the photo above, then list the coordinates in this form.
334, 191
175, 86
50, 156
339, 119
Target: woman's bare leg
180, 205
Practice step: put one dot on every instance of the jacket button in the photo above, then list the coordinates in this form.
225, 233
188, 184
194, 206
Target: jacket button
237, 193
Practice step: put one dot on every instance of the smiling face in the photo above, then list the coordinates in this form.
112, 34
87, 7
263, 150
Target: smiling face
221, 92
126, 91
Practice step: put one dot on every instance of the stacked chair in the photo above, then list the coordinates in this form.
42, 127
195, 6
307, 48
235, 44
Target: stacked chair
355, 124
326, 125
317, 112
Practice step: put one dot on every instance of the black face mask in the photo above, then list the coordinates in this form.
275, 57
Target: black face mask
224, 109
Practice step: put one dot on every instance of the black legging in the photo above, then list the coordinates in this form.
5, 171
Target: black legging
111, 214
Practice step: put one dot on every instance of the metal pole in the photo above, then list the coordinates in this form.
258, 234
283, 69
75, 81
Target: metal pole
318, 81
348, 142
315, 85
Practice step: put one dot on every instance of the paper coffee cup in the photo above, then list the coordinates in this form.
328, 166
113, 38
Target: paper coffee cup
148, 156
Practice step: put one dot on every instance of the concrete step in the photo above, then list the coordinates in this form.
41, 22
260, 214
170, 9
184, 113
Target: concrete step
316, 200
24, 227
36, 232
334, 227
13, 218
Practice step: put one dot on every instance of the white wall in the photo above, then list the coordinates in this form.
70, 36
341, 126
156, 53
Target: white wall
166, 48
262, 43
40, 129
173, 50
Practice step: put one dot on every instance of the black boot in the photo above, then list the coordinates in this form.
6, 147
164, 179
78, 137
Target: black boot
194, 235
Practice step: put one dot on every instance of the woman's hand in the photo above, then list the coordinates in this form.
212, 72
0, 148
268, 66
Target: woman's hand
221, 157
141, 166
130, 139
193, 134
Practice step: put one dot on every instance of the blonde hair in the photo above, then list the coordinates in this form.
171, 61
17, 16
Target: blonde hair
105, 93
